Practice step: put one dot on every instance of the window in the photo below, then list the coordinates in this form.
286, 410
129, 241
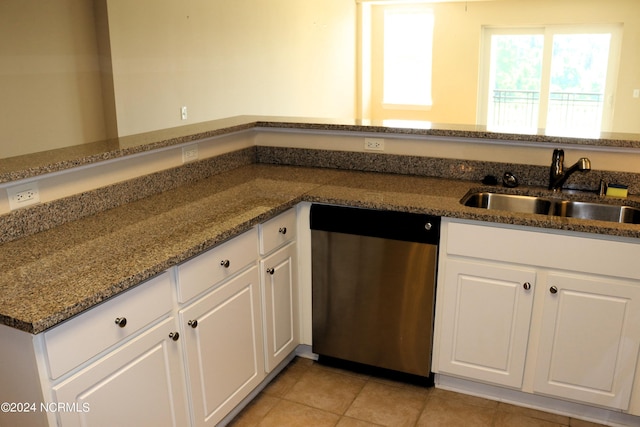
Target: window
514, 81
406, 69
397, 63
557, 78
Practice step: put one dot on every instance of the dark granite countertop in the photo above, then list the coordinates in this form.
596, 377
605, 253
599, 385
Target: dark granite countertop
29, 165
53, 275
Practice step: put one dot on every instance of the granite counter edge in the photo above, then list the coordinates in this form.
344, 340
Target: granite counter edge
538, 221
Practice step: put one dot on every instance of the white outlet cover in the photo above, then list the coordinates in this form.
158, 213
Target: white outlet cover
23, 195
190, 153
375, 144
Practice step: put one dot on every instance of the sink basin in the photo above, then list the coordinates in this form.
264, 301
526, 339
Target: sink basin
508, 202
551, 206
598, 211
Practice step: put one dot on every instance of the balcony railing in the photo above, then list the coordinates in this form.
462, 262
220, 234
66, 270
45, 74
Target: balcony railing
518, 109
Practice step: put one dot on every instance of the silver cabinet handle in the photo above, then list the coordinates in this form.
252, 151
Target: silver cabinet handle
121, 321
193, 323
174, 336
225, 263
428, 226
282, 230
271, 270
526, 286
553, 290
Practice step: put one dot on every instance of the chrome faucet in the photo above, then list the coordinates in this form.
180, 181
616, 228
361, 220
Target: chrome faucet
558, 175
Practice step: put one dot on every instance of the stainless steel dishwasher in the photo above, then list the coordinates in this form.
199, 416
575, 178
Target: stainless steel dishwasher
374, 287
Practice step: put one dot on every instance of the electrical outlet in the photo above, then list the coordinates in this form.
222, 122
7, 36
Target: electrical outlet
375, 144
183, 112
190, 153
23, 195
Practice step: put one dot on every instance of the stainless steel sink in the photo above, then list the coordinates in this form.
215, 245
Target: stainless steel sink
597, 211
508, 202
552, 206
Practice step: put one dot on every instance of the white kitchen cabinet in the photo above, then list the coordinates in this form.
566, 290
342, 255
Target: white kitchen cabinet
589, 339
243, 321
280, 294
137, 380
574, 334
279, 282
224, 347
77, 340
140, 383
201, 273
119, 363
277, 232
179, 352
486, 319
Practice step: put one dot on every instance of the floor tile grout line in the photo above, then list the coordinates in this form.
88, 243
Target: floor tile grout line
295, 376
337, 372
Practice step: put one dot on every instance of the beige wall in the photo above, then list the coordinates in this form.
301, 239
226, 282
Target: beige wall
223, 58
49, 76
220, 58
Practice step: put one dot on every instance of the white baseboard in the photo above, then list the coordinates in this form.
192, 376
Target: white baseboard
534, 401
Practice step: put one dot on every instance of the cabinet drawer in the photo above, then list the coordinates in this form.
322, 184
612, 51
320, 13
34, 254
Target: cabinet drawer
277, 231
538, 247
86, 335
205, 270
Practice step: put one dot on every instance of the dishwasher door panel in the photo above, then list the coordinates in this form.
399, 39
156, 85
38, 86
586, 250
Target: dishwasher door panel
373, 300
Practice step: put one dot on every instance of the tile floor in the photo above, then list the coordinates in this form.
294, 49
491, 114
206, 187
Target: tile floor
308, 394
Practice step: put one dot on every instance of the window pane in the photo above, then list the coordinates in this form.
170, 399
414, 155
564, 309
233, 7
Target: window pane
514, 85
408, 43
578, 79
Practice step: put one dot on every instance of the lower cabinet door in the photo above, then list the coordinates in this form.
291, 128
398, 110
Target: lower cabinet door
224, 350
484, 329
280, 305
589, 339
138, 384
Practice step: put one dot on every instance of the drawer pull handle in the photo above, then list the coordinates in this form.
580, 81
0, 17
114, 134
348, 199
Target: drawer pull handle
121, 321
526, 286
271, 270
174, 336
282, 230
225, 263
193, 323
553, 290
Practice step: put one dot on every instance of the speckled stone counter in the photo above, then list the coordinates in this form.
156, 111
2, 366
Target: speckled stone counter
52, 275
21, 167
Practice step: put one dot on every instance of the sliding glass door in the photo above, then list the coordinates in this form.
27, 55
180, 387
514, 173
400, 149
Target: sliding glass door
560, 79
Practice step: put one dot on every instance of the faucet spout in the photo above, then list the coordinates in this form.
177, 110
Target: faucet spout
558, 175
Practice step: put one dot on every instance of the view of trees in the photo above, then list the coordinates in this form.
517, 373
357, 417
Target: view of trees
517, 61
576, 77
579, 62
